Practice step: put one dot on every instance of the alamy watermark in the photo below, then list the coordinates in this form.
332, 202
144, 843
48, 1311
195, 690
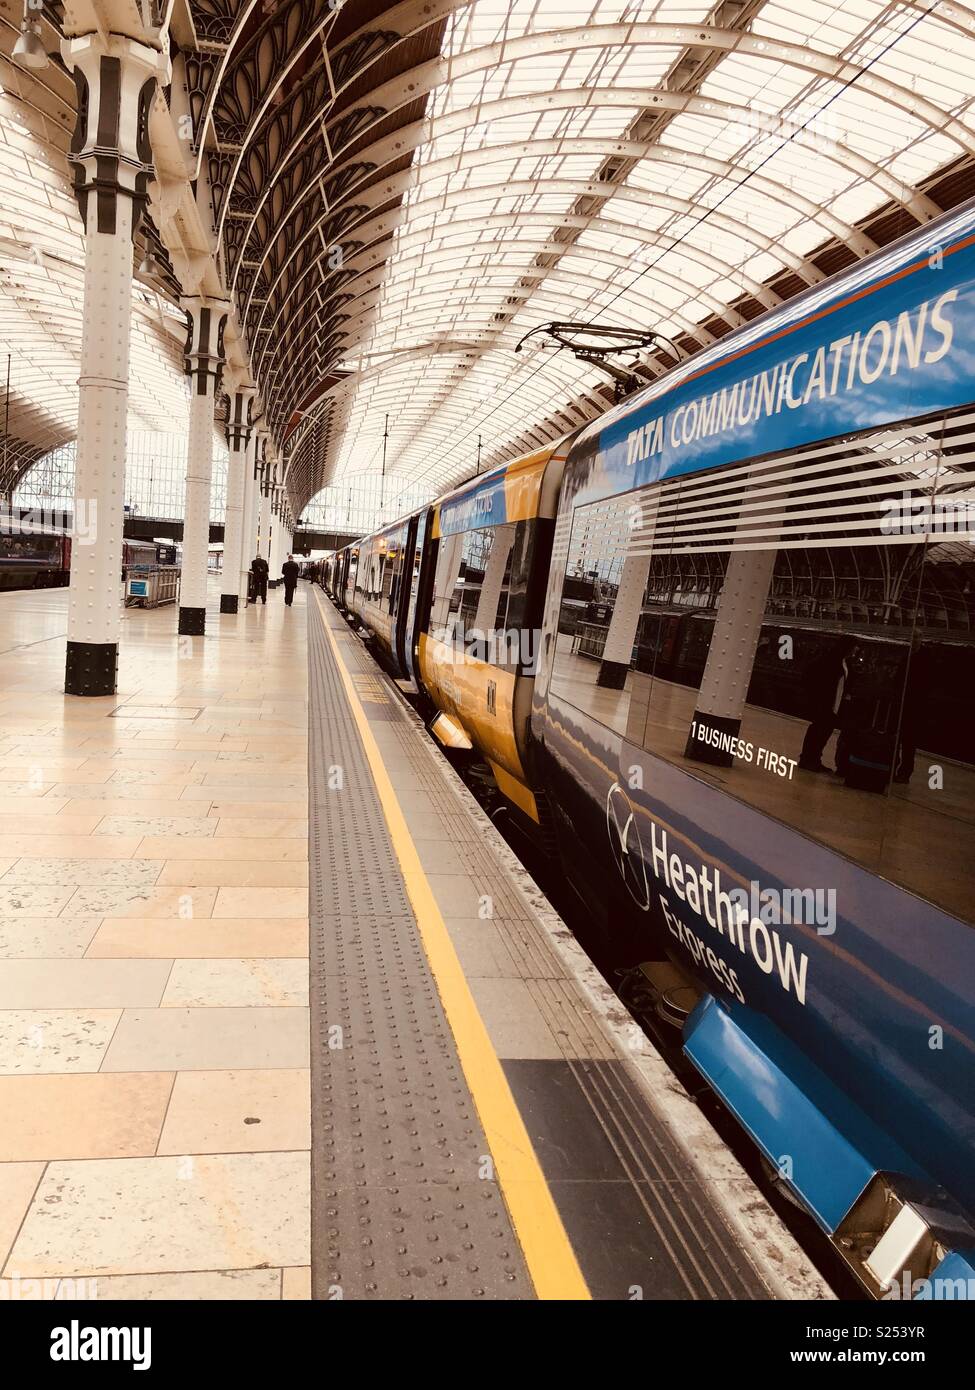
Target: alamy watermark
911, 514
936, 1288
81, 525
495, 646
14, 1288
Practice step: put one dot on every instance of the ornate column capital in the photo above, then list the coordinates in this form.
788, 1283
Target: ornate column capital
110, 153
262, 441
204, 353
239, 422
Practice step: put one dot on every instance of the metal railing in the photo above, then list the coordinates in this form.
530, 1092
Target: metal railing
149, 586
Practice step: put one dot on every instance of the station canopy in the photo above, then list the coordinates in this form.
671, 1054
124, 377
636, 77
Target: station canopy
401, 192
42, 282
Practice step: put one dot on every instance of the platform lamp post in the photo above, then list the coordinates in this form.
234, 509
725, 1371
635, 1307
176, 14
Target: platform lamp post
111, 159
239, 430
206, 321
382, 476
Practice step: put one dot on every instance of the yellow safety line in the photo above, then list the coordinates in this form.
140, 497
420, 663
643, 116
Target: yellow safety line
548, 1252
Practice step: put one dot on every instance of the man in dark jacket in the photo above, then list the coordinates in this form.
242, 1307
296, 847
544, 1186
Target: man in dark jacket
828, 688
259, 570
291, 570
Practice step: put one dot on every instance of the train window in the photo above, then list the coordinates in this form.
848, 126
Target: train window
794, 632
449, 555
603, 662
29, 546
397, 562
927, 844
471, 590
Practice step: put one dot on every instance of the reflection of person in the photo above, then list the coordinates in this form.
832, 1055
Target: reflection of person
291, 570
916, 696
830, 682
260, 571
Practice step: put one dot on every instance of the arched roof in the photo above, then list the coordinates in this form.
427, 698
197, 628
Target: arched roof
399, 192
41, 281
489, 166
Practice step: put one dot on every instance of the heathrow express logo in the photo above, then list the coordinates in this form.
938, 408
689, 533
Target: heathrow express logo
626, 846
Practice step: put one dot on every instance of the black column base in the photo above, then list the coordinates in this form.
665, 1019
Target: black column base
192, 622
612, 674
712, 726
91, 668
228, 603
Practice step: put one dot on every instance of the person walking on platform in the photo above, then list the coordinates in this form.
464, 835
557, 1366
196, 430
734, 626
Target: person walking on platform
259, 570
291, 570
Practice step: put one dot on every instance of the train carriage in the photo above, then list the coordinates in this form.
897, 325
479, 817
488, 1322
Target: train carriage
760, 752
33, 555
719, 645
479, 621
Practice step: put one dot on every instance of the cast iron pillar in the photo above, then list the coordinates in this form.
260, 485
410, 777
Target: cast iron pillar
264, 523
248, 547
238, 436
206, 320
111, 159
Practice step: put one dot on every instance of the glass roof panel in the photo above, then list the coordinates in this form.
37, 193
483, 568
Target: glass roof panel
719, 169
41, 288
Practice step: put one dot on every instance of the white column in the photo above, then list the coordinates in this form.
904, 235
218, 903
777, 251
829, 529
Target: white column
238, 435
624, 621
734, 640
204, 364
264, 526
628, 605
248, 547
112, 162
276, 558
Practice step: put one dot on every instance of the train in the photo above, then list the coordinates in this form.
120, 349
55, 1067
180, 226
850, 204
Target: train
37, 555
717, 649
33, 557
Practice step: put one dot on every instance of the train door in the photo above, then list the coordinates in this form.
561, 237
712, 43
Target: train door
344, 583
404, 597
412, 564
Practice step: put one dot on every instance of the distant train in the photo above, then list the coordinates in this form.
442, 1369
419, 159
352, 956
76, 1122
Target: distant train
33, 558
718, 649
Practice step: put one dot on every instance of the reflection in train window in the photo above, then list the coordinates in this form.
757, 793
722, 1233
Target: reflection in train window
471, 588
798, 632
600, 665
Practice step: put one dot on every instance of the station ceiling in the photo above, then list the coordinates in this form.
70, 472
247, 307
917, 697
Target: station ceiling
42, 278
400, 192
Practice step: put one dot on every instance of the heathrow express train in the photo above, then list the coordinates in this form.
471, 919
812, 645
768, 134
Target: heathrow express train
718, 648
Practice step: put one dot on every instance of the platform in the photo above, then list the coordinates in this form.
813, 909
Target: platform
487, 1122
153, 960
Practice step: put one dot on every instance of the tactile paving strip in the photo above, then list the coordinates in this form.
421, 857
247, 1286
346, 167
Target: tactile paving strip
401, 1206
